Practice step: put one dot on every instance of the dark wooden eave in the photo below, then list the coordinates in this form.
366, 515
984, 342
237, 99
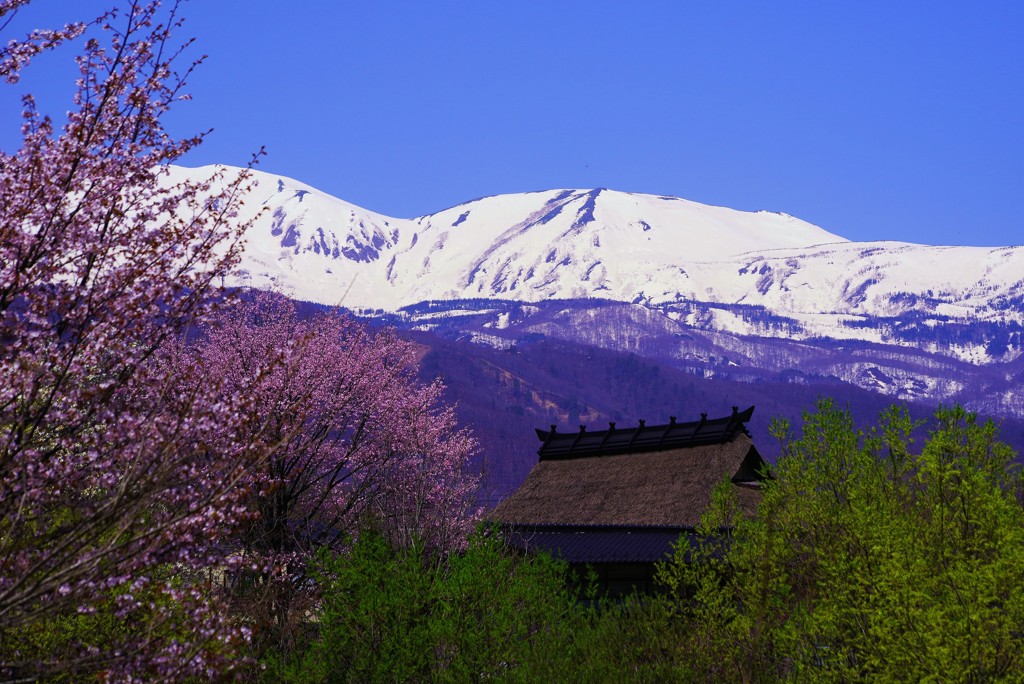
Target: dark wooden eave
643, 438
599, 543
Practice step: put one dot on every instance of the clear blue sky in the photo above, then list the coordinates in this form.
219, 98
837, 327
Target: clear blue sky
875, 119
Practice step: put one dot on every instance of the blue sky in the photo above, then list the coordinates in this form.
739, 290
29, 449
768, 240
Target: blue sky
874, 120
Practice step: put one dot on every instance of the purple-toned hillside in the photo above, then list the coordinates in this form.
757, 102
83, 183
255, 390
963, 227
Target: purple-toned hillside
506, 392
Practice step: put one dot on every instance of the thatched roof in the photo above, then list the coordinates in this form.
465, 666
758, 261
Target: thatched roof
669, 488
643, 437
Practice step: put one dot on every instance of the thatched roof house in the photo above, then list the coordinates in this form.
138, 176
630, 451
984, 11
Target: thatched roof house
617, 499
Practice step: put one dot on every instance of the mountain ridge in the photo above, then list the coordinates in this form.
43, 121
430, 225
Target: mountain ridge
699, 262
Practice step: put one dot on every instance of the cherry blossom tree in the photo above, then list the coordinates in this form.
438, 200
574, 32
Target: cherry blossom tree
110, 497
138, 471
351, 436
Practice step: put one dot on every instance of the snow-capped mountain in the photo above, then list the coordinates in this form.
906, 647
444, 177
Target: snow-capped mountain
528, 247
706, 267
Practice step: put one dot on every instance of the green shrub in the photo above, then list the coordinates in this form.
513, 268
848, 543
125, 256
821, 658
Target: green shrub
866, 561
401, 615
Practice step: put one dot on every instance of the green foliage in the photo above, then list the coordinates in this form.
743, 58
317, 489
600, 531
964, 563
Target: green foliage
865, 560
57, 637
401, 615
88, 636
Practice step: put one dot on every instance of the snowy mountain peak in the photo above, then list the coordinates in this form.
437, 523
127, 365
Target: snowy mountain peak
606, 244
709, 232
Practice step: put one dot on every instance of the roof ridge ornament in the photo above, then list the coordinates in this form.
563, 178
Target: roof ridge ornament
732, 420
666, 431
643, 437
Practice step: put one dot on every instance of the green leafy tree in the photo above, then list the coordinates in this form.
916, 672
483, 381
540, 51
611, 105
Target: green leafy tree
866, 560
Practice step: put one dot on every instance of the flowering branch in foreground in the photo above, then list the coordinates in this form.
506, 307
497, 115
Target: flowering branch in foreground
108, 492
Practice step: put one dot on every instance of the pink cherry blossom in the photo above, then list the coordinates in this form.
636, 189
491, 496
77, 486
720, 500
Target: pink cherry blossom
351, 437
104, 479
